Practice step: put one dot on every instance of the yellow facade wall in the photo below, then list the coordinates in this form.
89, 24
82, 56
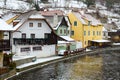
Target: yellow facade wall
1, 59
92, 32
1, 35
77, 29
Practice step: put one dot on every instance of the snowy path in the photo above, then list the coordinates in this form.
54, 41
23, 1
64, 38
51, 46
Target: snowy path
41, 60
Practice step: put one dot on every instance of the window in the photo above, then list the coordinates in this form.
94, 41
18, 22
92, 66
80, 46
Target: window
60, 31
72, 33
104, 34
75, 23
89, 22
68, 32
64, 31
23, 35
37, 48
33, 36
39, 25
88, 33
84, 33
99, 32
47, 35
30, 24
25, 49
93, 33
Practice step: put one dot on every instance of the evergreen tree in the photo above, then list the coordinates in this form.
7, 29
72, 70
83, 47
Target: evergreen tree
89, 2
37, 7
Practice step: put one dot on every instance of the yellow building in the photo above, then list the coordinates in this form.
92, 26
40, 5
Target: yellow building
85, 28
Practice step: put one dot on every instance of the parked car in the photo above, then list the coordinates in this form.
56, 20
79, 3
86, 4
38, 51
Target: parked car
93, 47
61, 52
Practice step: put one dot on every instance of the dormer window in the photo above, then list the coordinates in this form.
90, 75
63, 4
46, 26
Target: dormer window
30, 24
89, 22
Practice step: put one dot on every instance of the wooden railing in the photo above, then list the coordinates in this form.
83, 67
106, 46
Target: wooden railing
36, 41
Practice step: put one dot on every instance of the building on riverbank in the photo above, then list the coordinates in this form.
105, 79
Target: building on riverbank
33, 36
85, 28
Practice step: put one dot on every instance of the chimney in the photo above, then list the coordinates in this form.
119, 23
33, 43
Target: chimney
55, 19
15, 22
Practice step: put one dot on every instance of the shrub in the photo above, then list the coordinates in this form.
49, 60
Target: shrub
12, 65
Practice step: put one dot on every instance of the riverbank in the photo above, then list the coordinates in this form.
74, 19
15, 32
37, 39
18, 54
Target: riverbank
24, 69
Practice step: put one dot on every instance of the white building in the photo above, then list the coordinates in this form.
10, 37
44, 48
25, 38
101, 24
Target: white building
33, 36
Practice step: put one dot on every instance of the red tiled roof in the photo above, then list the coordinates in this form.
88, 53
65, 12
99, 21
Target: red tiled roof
51, 13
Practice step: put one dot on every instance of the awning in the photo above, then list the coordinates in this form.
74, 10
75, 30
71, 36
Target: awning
62, 42
67, 38
101, 41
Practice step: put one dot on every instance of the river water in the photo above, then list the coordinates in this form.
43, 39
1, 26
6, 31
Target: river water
102, 66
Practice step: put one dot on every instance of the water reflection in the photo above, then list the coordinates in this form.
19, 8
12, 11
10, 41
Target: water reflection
97, 67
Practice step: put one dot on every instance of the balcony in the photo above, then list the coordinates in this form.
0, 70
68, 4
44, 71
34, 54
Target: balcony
36, 41
4, 45
114, 33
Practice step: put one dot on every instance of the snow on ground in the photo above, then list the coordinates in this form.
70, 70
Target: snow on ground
15, 5
41, 60
15, 58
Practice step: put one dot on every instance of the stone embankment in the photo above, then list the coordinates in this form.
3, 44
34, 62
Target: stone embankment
97, 51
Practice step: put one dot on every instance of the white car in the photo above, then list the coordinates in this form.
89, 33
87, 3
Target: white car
61, 52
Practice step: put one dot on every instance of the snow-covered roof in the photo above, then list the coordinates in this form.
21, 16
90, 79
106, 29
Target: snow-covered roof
67, 38
23, 18
100, 41
75, 4
4, 26
108, 13
55, 28
91, 11
77, 14
8, 16
94, 21
100, 6
67, 21
117, 24
36, 16
103, 29
62, 42
15, 5
52, 13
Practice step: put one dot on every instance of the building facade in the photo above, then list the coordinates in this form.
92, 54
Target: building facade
34, 37
5, 45
85, 28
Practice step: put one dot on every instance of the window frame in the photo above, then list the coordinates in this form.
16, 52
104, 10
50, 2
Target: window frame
30, 24
72, 33
25, 49
39, 24
84, 33
75, 23
23, 35
37, 48
31, 36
